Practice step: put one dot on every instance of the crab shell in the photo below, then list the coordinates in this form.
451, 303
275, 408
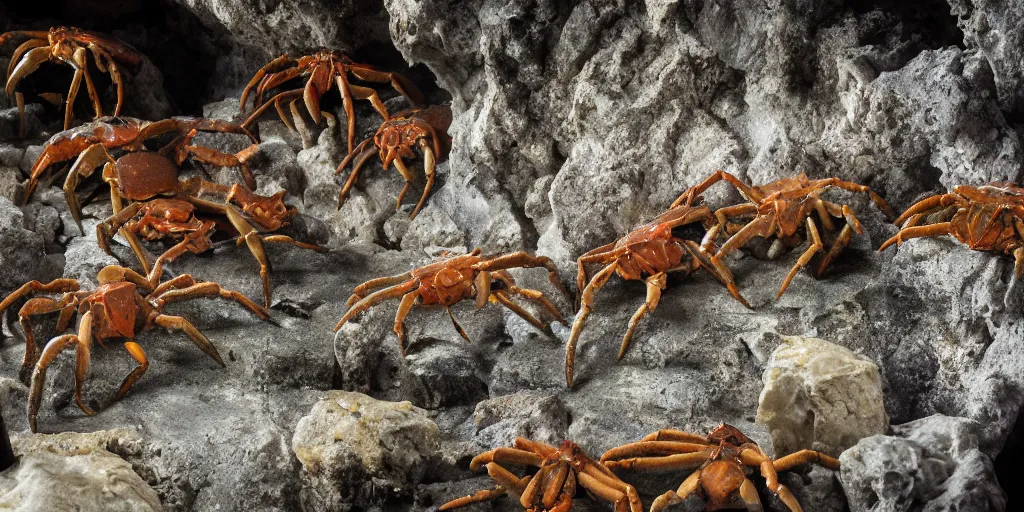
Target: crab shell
115, 310
143, 175
987, 223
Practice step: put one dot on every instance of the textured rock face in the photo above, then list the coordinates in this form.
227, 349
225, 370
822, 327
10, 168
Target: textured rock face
574, 121
930, 464
350, 438
820, 396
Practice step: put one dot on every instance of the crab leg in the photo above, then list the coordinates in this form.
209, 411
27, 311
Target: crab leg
805, 457
687, 197
110, 67
715, 268
926, 204
271, 67
20, 51
347, 102
461, 331
366, 93
760, 226
816, 246
363, 156
398, 81
57, 285
211, 289
586, 304
284, 239
82, 343
655, 284
535, 295
408, 300
428, 166
19, 98
754, 457
502, 298
85, 165
407, 175
608, 487
942, 228
81, 62
280, 97
688, 487
376, 298
30, 62
299, 125
360, 290
251, 237
651, 448
40, 306
662, 463
178, 323
599, 255
724, 214
140, 357
524, 259
856, 187
479, 496
507, 456
748, 493
220, 159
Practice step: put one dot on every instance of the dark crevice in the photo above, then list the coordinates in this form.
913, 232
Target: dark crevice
1008, 467
930, 22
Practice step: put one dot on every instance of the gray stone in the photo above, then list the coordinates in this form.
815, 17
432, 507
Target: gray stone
932, 464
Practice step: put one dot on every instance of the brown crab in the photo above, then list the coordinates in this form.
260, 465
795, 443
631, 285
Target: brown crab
125, 304
190, 216
721, 462
985, 218
426, 128
647, 253
553, 486
324, 70
451, 280
71, 46
91, 143
777, 210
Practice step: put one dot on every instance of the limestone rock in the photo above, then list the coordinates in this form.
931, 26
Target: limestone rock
74, 472
350, 440
820, 396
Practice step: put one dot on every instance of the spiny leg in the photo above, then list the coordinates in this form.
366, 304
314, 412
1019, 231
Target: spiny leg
688, 487
942, 228
655, 284
177, 323
816, 245
140, 357
586, 304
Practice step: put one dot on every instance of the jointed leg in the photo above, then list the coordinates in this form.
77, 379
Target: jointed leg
655, 284
506, 456
942, 228
762, 226
461, 331
140, 357
366, 93
429, 169
276, 100
696, 190
724, 214
362, 289
408, 300
603, 254
284, 239
535, 295
210, 289
362, 156
586, 304
805, 457
502, 298
600, 480
926, 205
652, 448
477, 497
348, 104
675, 435
816, 245
856, 187
376, 298
688, 487
399, 82
272, 67
84, 166
523, 259
662, 463
178, 323
748, 493
407, 175
82, 343
82, 62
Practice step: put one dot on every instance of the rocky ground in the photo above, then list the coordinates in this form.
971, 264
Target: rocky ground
574, 122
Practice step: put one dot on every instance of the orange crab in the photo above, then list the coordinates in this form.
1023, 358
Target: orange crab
125, 304
426, 128
71, 46
553, 486
778, 209
985, 218
721, 462
324, 69
452, 280
647, 253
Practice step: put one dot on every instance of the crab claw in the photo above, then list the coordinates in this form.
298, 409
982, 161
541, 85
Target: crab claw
29, 63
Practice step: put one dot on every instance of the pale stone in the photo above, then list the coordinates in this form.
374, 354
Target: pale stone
821, 396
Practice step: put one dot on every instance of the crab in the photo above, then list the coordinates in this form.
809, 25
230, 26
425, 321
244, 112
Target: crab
71, 46
553, 486
323, 69
647, 253
124, 305
721, 461
451, 280
985, 218
426, 128
91, 143
777, 210
191, 219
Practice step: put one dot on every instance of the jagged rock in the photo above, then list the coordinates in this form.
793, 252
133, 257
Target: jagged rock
24, 251
349, 439
537, 415
85, 258
820, 396
931, 464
